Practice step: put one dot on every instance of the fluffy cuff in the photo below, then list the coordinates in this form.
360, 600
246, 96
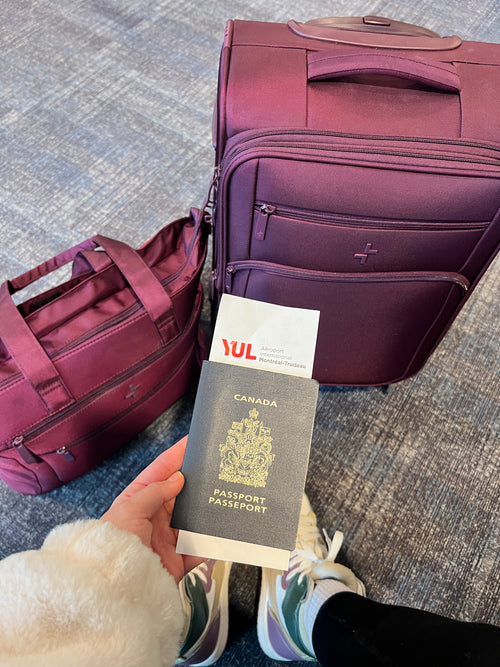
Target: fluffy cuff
93, 594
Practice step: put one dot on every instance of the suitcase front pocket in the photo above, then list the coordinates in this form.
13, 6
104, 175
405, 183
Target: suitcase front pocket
374, 328
333, 242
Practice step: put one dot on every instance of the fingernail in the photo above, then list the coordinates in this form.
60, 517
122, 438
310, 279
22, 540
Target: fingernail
173, 478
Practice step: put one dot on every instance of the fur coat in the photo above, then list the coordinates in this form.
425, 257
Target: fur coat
92, 595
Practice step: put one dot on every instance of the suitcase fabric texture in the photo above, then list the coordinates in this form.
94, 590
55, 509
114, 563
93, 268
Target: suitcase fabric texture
86, 365
358, 173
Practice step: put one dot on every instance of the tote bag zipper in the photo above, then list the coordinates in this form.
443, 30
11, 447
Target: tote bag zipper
116, 319
19, 442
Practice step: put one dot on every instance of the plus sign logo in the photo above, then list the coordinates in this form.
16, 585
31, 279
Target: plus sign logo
363, 256
132, 391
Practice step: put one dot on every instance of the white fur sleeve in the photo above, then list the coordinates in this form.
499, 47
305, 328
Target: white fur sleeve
92, 595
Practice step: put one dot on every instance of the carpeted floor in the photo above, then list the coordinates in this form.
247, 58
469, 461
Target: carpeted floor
105, 127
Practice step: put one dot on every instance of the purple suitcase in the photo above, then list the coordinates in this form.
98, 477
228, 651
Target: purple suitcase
358, 173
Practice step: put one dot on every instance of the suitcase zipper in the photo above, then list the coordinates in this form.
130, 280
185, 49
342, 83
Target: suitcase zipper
24, 452
265, 210
354, 151
244, 138
325, 276
19, 441
245, 145
324, 217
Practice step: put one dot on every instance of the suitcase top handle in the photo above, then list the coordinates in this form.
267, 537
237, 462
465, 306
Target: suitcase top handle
375, 31
326, 65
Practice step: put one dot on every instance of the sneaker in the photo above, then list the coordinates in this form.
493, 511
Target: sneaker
285, 596
204, 597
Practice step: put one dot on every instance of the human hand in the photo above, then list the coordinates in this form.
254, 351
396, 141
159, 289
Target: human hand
145, 506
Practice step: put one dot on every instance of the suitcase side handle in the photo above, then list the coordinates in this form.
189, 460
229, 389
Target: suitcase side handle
325, 65
375, 31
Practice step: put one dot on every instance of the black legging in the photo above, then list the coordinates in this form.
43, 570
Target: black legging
351, 630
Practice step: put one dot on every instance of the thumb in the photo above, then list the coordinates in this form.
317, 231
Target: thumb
149, 499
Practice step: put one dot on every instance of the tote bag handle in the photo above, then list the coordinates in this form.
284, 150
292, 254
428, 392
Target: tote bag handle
25, 349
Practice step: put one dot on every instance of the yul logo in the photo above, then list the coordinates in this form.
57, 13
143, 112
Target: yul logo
238, 350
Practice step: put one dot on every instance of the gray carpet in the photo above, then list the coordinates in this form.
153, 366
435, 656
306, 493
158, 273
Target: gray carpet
105, 127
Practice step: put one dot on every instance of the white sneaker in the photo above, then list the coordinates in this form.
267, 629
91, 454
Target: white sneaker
285, 596
204, 597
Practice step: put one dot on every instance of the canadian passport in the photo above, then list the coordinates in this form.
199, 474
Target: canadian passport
245, 465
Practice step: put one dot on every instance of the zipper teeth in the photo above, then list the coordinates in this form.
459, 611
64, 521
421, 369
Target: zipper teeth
368, 137
347, 220
325, 276
448, 157
109, 324
119, 416
240, 147
88, 398
113, 321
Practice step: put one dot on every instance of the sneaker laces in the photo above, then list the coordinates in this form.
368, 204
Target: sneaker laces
310, 548
314, 555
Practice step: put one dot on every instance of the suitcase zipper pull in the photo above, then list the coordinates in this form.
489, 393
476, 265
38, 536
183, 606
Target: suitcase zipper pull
229, 278
208, 206
27, 456
64, 451
261, 226
213, 280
